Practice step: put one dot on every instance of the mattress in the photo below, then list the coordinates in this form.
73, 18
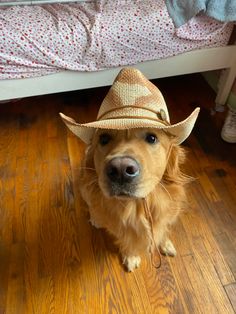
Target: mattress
92, 36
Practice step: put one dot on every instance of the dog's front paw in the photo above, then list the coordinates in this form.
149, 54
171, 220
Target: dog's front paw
167, 248
131, 262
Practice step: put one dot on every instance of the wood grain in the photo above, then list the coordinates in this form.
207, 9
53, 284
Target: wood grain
53, 261
231, 292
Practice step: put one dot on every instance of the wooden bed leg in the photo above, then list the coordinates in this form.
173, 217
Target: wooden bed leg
226, 81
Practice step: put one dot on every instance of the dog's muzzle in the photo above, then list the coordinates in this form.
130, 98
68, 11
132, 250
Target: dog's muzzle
122, 174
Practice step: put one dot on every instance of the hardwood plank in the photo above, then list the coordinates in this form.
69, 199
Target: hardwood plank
218, 296
228, 250
184, 282
180, 237
170, 289
201, 293
16, 291
198, 236
153, 285
29, 180
231, 292
209, 190
58, 225
225, 187
201, 230
4, 274
45, 296
8, 140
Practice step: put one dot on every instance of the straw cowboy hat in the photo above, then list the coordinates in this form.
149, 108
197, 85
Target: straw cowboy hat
133, 102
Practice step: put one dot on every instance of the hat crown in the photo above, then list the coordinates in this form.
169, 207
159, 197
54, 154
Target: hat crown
133, 102
133, 95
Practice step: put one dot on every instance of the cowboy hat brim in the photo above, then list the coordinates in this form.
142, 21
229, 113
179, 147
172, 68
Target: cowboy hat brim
180, 130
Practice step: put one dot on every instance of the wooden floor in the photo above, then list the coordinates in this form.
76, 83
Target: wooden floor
53, 261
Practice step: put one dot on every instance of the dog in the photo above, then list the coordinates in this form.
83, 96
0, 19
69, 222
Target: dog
119, 171
131, 176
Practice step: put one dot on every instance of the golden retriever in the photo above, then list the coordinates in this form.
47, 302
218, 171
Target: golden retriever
122, 170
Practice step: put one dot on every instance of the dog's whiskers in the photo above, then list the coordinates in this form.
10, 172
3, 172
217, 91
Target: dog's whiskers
162, 185
92, 182
156, 181
88, 168
152, 179
121, 203
189, 177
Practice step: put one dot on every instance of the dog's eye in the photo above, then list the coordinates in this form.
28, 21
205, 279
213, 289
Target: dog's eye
104, 139
150, 138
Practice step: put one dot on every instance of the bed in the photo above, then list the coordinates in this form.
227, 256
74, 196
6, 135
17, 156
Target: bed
84, 45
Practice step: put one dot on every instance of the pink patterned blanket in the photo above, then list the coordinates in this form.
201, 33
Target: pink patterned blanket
91, 36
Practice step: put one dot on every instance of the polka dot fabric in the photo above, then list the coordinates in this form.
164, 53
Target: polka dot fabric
91, 36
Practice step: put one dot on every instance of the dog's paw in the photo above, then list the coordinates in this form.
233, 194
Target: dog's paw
94, 224
167, 248
131, 262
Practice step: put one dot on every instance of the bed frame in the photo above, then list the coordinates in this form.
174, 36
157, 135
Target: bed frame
189, 62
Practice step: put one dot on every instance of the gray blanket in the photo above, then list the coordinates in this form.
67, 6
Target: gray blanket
183, 10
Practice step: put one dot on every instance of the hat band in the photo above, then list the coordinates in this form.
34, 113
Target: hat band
132, 117
138, 117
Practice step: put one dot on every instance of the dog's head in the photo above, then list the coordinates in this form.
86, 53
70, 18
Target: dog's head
131, 163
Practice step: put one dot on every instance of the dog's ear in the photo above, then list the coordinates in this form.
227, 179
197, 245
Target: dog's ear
173, 173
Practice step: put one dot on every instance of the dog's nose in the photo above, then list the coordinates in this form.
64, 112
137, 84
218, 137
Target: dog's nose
122, 169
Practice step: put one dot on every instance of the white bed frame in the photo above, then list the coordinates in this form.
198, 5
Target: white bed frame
189, 62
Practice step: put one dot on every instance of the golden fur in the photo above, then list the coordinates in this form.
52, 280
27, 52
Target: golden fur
161, 184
